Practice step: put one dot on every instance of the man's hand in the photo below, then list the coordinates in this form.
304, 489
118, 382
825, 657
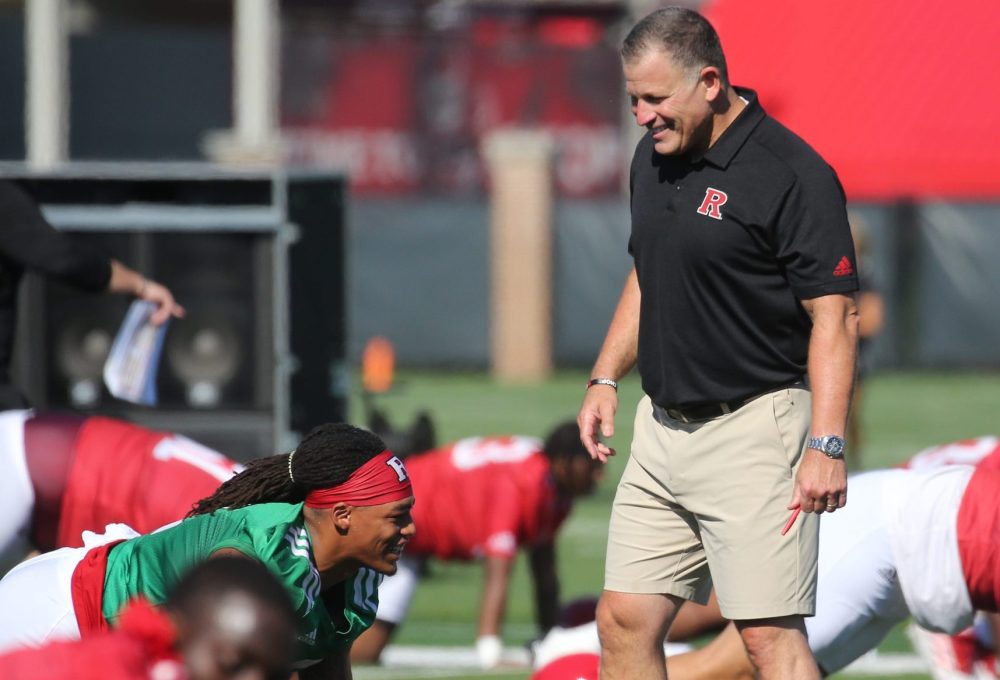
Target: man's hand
820, 484
160, 295
126, 280
597, 418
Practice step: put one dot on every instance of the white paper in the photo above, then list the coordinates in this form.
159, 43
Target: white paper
130, 371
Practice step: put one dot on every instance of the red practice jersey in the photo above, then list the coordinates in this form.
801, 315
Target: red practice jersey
141, 648
483, 497
982, 451
978, 515
145, 479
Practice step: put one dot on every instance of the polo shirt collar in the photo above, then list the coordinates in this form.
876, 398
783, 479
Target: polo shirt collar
721, 153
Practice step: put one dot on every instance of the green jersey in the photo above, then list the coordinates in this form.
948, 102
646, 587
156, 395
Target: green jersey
274, 533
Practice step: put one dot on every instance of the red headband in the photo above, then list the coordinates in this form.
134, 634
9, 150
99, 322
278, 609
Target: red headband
382, 479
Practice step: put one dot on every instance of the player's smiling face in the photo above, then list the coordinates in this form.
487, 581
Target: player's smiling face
673, 104
382, 532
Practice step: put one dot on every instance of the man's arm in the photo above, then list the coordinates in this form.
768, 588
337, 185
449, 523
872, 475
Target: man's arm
617, 357
833, 346
492, 607
131, 282
546, 581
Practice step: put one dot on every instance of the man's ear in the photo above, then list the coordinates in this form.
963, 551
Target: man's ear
341, 517
711, 80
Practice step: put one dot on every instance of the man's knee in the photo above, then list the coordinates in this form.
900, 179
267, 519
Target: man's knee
630, 618
773, 641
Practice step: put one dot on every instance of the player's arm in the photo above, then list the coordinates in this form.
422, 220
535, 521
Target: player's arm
833, 345
497, 570
546, 582
617, 357
724, 658
335, 666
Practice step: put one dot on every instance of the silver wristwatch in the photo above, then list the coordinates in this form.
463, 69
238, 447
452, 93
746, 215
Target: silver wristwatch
831, 445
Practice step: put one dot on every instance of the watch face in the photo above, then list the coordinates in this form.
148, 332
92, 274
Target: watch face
834, 446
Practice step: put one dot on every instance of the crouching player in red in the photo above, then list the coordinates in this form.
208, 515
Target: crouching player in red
920, 542
227, 619
492, 496
328, 519
67, 473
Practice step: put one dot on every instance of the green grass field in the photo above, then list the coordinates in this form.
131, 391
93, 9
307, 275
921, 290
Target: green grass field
901, 413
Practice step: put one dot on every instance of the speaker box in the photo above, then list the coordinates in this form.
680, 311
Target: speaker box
257, 260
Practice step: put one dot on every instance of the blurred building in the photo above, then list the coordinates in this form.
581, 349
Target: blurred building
402, 94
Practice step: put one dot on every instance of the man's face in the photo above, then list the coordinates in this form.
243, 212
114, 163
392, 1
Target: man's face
380, 532
670, 102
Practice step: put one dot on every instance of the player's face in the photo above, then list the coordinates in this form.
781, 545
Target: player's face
382, 532
240, 641
578, 476
673, 104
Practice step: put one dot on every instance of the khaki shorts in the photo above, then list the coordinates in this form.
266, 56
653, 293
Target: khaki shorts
705, 502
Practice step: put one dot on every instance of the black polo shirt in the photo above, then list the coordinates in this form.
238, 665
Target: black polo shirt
28, 242
724, 248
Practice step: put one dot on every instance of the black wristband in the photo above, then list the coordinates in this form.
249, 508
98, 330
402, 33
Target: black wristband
602, 381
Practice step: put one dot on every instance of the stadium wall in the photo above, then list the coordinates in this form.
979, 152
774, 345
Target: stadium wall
418, 275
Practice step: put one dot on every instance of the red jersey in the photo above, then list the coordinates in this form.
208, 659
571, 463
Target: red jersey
979, 536
141, 648
124, 473
483, 497
980, 451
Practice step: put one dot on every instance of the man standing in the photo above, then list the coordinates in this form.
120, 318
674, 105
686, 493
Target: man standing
740, 313
28, 242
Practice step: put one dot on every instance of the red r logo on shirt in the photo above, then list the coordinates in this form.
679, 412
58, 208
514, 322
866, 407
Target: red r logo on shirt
714, 200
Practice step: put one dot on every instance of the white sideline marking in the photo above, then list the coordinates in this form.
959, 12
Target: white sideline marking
876, 663
443, 662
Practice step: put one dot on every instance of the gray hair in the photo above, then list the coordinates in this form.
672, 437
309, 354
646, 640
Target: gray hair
685, 35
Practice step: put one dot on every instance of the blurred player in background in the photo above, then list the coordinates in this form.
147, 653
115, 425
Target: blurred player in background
228, 618
871, 320
922, 542
28, 242
65, 473
486, 497
969, 654
327, 519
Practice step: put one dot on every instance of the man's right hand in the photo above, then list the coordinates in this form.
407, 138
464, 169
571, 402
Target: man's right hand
597, 419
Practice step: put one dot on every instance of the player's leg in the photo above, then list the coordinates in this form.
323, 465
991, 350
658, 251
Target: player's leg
697, 619
858, 597
17, 497
724, 658
394, 597
37, 600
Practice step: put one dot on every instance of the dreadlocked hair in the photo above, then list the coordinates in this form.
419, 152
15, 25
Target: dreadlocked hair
326, 457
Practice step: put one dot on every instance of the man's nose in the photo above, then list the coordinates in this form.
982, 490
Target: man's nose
643, 113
